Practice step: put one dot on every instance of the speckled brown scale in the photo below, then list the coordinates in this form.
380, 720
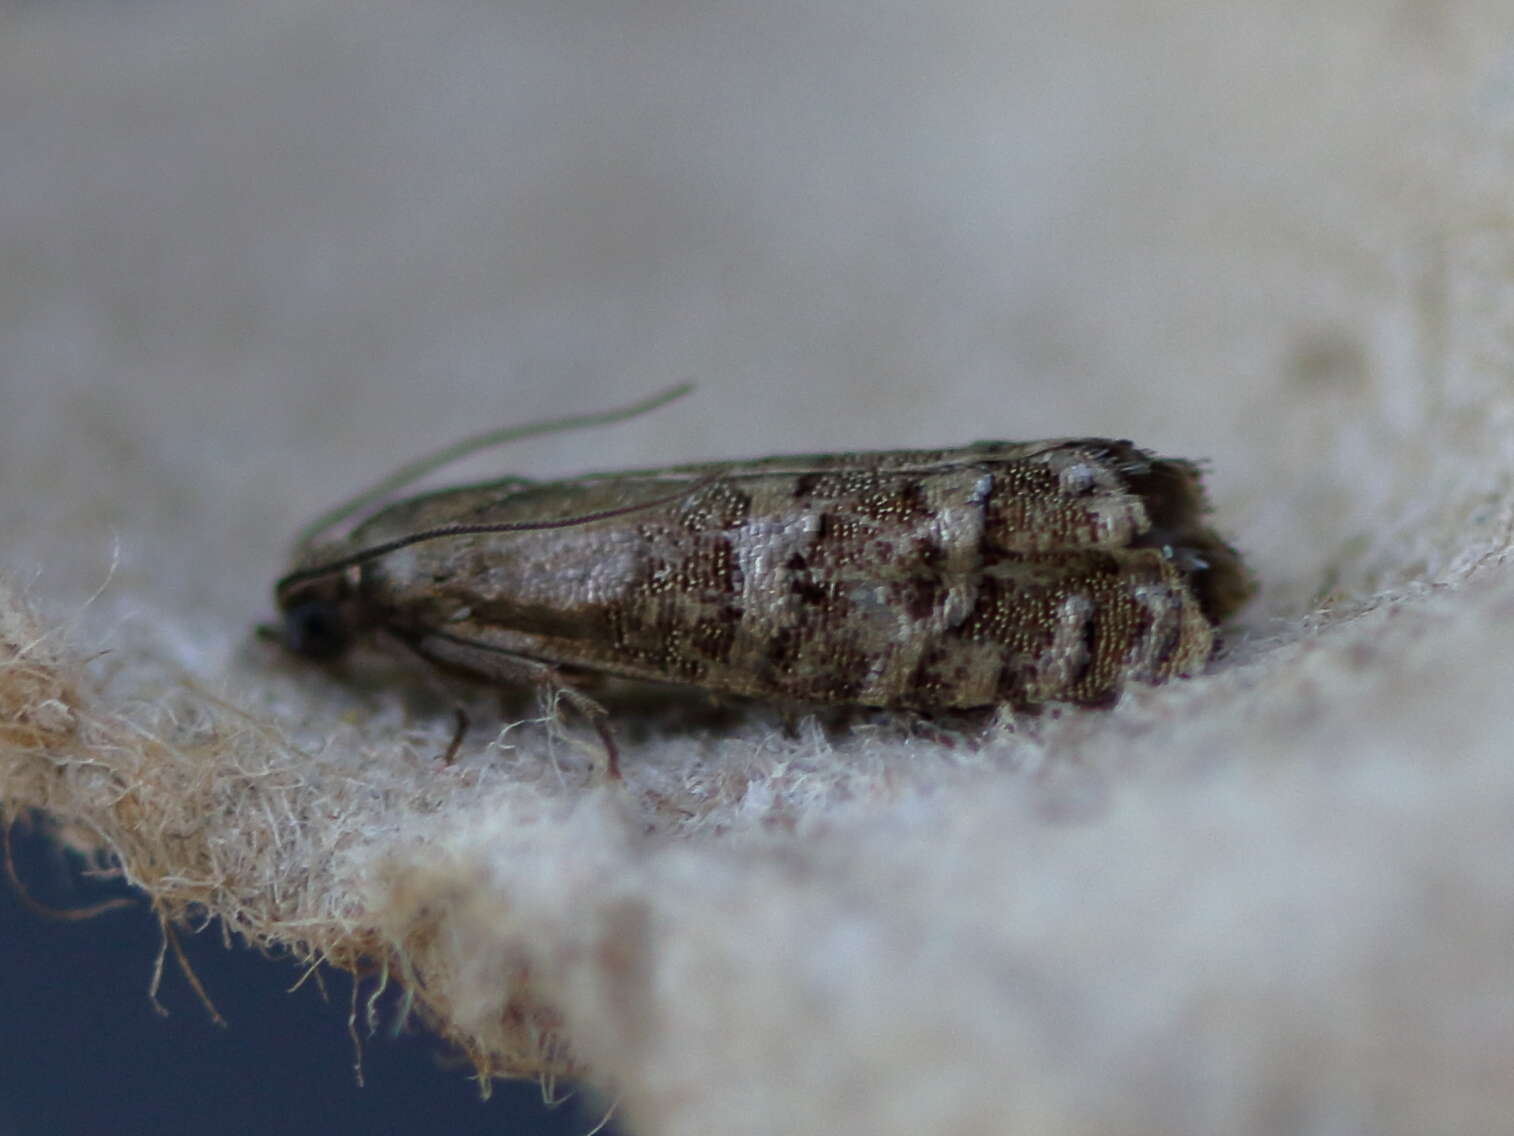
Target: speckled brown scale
926, 580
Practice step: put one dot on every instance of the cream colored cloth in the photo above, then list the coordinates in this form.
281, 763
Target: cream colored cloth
255, 257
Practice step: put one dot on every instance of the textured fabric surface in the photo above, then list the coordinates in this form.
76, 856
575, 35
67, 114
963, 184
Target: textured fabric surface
252, 260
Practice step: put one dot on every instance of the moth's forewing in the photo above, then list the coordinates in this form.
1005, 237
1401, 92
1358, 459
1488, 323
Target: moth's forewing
1002, 572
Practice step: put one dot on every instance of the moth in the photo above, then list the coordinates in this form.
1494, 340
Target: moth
1011, 573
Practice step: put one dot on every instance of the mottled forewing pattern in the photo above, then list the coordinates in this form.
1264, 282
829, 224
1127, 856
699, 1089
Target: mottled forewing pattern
925, 580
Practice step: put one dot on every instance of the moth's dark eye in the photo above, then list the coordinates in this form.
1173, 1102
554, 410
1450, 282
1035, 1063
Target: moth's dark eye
316, 629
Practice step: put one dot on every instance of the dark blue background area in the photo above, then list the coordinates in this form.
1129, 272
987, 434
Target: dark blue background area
83, 1052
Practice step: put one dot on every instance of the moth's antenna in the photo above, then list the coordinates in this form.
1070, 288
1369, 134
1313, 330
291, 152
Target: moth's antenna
470, 445
374, 551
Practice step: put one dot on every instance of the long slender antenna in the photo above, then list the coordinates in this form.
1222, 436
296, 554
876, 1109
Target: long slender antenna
472, 444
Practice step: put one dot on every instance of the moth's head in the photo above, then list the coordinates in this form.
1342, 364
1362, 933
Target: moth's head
318, 617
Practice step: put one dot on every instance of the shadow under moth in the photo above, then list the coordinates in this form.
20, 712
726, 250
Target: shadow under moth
915, 580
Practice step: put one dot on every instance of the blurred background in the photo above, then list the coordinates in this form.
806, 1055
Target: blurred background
252, 256
82, 1049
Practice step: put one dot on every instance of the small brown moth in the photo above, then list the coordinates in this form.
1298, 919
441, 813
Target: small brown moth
917, 580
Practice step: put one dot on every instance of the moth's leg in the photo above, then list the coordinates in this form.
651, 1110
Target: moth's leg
449, 755
939, 729
476, 660
457, 736
596, 715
